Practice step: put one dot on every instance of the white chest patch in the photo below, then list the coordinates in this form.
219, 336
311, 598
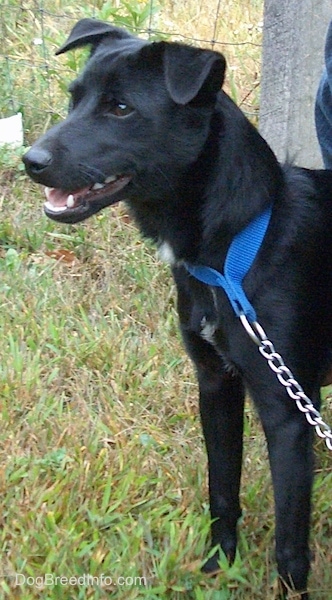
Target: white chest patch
166, 254
207, 331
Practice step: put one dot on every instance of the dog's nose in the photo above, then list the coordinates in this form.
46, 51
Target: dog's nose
37, 160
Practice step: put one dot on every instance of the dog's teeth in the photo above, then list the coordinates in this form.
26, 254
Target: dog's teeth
97, 186
54, 208
110, 179
47, 191
70, 201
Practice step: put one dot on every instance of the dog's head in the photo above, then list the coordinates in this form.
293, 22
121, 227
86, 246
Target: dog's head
136, 110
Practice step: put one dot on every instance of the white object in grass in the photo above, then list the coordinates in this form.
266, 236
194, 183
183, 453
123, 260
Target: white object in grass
11, 131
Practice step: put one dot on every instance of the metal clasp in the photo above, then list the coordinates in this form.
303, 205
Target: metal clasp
254, 330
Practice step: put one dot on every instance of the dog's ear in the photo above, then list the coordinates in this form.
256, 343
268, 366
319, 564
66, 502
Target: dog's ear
190, 72
91, 31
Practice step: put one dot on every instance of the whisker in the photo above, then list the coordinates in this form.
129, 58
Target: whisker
171, 187
91, 174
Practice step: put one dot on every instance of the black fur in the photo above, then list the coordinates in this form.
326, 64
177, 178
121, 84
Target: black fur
198, 172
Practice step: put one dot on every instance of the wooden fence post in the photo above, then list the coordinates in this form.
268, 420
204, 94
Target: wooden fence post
293, 57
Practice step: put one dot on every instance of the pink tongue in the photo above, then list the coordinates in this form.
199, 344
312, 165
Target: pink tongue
58, 197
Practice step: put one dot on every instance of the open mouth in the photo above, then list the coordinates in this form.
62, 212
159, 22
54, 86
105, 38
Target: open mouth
75, 206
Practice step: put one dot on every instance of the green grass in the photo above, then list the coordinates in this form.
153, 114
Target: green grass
102, 463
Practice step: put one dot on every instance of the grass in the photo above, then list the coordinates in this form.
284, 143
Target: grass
102, 463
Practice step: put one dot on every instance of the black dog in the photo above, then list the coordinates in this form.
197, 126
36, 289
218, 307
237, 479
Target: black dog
148, 124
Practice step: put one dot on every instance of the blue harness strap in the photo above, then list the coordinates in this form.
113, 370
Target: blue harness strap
240, 256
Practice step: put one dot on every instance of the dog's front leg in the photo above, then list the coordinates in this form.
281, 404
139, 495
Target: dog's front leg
221, 408
289, 439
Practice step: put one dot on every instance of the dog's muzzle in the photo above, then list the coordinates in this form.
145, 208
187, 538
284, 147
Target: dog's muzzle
72, 206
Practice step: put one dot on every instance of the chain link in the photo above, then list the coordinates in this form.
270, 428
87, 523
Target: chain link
286, 378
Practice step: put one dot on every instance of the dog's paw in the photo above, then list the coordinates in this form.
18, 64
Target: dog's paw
214, 563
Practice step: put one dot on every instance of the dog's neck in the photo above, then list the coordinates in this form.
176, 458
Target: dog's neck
202, 211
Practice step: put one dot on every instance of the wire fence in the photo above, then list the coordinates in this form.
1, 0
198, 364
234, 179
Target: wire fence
34, 81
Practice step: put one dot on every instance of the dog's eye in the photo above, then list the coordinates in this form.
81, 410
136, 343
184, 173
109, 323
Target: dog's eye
120, 109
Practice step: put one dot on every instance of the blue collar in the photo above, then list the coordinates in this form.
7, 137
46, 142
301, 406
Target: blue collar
240, 256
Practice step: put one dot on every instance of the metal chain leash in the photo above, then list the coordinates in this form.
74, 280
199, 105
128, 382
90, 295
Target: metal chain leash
287, 379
